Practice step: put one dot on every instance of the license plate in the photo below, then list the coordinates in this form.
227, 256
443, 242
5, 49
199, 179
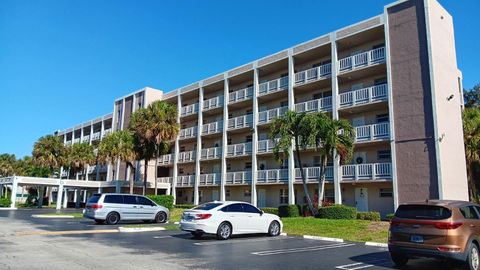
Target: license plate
416, 239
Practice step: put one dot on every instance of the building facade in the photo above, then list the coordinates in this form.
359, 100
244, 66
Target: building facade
393, 76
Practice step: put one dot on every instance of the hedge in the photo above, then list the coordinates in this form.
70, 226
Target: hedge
373, 216
290, 210
5, 202
337, 212
390, 216
270, 210
184, 206
163, 200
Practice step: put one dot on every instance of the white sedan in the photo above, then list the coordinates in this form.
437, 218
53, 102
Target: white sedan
227, 218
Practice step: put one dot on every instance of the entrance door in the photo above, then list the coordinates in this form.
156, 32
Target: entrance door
361, 199
261, 198
215, 195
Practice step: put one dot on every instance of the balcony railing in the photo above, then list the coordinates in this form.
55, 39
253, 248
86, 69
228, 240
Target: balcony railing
370, 171
362, 59
209, 179
165, 159
96, 136
268, 116
165, 179
106, 132
185, 180
313, 74
317, 105
312, 174
86, 139
213, 103
212, 128
266, 146
190, 132
187, 156
240, 95
363, 96
273, 86
240, 149
380, 131
77, 140
189, 109
272, 176
240, 121
68, 143
238, 178
211, 153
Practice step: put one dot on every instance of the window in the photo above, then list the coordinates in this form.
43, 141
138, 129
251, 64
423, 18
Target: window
180, 171
284, 104
250, 208
248, 165
236, 207
381, 118
229, 167
179, 193
283, 196
248, 138
145, 201
469, 212
130, 199
113, 199
182, 148
318, 96
229, 141
384, 154
227, 193
420, 211
207, 206
249, 112
247, 193
380, 81
316, 161
386, 192
378, 46
284, 75
94, 198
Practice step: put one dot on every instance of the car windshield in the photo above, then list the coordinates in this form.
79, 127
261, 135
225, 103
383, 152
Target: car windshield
423, 212
94, 198
207, 206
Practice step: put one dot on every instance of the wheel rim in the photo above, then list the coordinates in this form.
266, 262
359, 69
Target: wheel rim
474, 258
274, 229
113, 218
160, 217
225, 231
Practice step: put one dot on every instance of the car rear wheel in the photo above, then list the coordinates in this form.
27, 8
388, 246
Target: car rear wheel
197, 235
473, 258
161, 217
399, 259
224, 231
113, 218
274, 229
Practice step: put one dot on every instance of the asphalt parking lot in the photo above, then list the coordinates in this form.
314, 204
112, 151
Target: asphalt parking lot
173, 249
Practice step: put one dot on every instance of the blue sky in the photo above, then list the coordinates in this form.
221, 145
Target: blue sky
64, 62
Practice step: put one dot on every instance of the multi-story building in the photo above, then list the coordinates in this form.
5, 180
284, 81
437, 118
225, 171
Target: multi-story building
393, 76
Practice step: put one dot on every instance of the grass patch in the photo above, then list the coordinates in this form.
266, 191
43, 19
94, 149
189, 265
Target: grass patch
75, 215
350, 230
172, 227
176, 214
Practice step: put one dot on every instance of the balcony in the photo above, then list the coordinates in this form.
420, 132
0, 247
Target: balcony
187, 156
273, 86
313, 74
188, 133
240, 121
363, 96
317, 105
77, 140
240, 149
210, 179
361, 60
267, 116
96, 136
375, 132
166, 180
189, 110
312, 174
266, 146
68, 143
211, 153
106, 132
86, 139
370, 171
240, 95
212, 128
274, 176
213, 103
185, 180
238, 178
165, 159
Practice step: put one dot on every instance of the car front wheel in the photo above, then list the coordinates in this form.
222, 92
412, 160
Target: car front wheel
399, 259
113, 218
224, 231
161, 217
473, 258
274, 229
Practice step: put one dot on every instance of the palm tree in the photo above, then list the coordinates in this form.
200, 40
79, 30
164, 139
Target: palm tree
118, 145
79, 156
332, 138
7, 165
471, 133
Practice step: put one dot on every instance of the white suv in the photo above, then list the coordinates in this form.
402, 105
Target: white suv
227, 218
113, 207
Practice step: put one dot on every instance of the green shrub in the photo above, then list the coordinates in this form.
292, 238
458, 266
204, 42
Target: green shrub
270, 210
373, 216
5, 202
163, 200
184, 206
337, 212
290, 210
390, 216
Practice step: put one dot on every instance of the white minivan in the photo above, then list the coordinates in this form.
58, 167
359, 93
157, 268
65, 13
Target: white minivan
113, 207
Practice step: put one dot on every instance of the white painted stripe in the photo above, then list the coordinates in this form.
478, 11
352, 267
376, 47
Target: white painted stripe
323, 238
52, 216
303, 249
161, 237
151, 229
237, 241
362, 265
375, 244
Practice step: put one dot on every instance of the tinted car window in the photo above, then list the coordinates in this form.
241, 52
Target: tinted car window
236, 207
113, 199
469, 212
250, 208
413, 211
207, 206
94, 199
144, 201
130, 199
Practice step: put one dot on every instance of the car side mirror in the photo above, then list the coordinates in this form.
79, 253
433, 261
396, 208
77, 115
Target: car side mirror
261, 212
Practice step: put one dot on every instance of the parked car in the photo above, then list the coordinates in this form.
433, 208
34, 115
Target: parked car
112, 207
439, 229
224, 219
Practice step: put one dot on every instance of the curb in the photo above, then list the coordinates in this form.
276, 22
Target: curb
375, 244
323, 238
176, 223
52, 216
283, 234
130, 230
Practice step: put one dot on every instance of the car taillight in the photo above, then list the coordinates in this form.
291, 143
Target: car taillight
449, 249
202, 216
96, 206
448, 225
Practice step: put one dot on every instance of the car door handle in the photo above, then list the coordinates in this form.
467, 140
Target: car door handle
134, 206
141, 206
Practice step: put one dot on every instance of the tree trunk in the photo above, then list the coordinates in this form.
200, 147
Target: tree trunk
145, 177
304, 181
156, 167
471, 181
321, 183
131, 181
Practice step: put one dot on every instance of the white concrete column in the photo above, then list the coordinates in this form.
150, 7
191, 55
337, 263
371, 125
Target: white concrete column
196, 199
223, 174
13, 196
176, 151
117, 170
335, 102
59, 196
291, 106
97, 168
1, 191
65, 197
77, 198
85, 196
253, 192
100, 190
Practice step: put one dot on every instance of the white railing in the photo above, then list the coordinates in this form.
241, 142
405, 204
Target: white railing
86, 138
185, 180
77, 140
312, 174
213, 103
265, 146
364, 95
209, 179
188, 132
272, 176
68, 143
239, 149
244, 177
362, 59
212, 128
273, 86
165, 159
187, 156
317, 105
211, 153
370, 171
189, 109
165, 179
240, 121
64, 174
107, 131
268, 116
240, 95
373, 132
313, 74
96, 136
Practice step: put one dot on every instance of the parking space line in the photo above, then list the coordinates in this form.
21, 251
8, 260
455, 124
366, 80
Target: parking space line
362, 265
302, 249
236, 241
161, 237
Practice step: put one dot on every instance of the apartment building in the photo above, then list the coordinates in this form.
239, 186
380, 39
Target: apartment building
393, 76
